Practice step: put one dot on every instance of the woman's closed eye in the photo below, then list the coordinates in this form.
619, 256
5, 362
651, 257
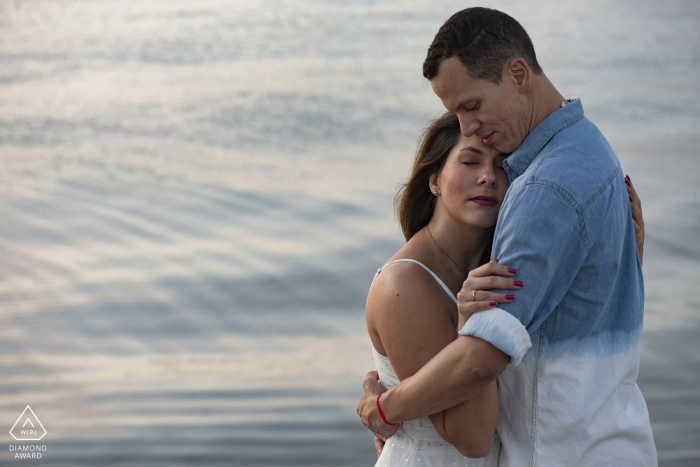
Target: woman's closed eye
476, 163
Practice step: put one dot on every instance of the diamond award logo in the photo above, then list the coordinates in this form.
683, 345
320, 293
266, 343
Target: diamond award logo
28, 427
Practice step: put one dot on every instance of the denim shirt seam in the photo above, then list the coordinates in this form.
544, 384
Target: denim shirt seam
602, 188
570, 200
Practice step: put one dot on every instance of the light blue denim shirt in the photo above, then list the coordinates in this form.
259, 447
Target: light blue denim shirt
569, 396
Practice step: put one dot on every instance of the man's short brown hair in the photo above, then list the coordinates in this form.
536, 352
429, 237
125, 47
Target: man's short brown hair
484, 40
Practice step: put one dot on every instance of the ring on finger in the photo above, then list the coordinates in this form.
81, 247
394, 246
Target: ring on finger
474, 294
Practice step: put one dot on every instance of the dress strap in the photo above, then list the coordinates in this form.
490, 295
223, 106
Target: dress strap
408, 260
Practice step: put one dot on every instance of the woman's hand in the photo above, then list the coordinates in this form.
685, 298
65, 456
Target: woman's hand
636, 206
379, 444
475, 295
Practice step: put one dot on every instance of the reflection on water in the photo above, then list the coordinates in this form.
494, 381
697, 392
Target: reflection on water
194, 198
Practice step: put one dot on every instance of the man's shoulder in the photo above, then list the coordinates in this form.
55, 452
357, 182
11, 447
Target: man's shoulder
578, 159
583, 134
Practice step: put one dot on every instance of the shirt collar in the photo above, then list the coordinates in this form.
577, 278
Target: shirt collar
533, 143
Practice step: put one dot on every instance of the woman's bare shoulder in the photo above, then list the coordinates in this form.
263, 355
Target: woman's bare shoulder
402, 275
402, 287
409, 316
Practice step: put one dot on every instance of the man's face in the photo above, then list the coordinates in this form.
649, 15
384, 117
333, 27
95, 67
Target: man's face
494, 112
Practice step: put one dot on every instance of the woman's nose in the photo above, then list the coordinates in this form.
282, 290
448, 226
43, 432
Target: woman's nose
488, 176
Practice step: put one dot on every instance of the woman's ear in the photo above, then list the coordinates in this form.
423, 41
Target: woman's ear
434, 183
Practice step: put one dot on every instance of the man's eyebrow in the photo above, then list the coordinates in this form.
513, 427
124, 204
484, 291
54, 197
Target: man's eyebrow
472, 149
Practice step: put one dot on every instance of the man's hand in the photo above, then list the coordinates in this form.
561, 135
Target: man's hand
367, 408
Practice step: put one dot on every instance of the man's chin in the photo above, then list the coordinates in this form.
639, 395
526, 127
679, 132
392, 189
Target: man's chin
495, 140
506, 147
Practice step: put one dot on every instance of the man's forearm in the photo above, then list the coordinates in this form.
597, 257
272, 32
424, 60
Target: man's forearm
458, 373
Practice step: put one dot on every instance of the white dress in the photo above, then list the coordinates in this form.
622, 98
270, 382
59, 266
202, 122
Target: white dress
417, 442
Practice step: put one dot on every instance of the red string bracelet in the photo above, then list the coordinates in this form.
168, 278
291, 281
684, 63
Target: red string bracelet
382, 413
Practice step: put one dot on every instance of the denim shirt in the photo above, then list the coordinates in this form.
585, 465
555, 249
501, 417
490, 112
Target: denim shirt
569, 396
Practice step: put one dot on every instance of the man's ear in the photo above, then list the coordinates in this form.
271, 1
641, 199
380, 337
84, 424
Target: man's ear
519, 73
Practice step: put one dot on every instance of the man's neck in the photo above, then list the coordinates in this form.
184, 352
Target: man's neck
545, 101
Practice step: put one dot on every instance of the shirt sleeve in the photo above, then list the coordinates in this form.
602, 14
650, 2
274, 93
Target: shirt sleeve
540, 232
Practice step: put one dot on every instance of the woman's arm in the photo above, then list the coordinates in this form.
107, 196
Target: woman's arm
470, 425
409, 320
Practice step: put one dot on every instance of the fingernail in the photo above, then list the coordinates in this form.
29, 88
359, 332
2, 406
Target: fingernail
518, 283
512, 271
630, 198
493, 303
627, 177
627, 182
496, 260
510, 296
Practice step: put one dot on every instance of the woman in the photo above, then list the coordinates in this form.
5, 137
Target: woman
447, 211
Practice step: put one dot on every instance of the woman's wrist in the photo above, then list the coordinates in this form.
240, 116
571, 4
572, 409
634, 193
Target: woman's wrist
381, 413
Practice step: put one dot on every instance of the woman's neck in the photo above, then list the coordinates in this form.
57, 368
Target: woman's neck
463, 244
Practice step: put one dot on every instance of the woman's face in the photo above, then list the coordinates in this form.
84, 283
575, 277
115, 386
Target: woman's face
472, 183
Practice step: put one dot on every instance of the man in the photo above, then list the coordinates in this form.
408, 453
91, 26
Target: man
566, 352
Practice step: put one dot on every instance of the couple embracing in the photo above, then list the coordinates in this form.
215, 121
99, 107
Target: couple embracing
506, 331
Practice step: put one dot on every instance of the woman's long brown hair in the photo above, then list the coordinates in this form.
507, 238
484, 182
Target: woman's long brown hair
414, 203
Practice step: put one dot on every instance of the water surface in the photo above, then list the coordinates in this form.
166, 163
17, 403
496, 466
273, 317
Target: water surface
194, 198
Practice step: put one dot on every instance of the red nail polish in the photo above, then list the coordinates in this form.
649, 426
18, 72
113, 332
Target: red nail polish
510, 296
630, 198
518, 283
496, 260
627, 177
512, 271
493, 303
627, 182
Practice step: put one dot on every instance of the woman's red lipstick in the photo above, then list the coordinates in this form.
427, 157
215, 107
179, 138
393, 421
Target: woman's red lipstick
484, 200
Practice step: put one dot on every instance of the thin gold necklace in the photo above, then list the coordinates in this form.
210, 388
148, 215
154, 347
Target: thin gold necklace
443, 252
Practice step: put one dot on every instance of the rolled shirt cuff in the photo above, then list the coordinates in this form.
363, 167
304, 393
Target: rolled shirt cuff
501, 329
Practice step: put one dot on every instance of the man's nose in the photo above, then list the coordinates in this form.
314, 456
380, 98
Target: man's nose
468, 125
